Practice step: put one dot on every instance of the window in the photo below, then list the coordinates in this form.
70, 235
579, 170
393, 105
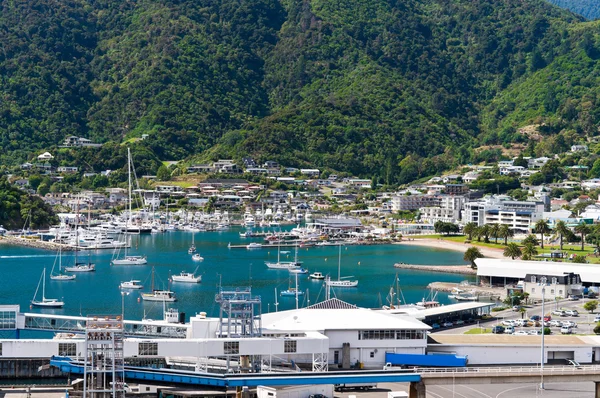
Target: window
560, 291
372, 354
0, 349
533, 290
554, 281
533, 279
289, 346
8, 320
148, 349
231, 347
551, 291
67, 349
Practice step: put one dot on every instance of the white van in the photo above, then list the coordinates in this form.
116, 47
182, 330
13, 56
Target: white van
566, 330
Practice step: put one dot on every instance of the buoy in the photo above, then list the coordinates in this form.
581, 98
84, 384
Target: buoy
139, 299
325, 259
359, 263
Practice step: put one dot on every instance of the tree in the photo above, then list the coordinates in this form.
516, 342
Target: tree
530, 239
541, 227
495, 231
485, 232
505, 233
529, 251
526, 297
579, 260
582, 229
163, 173
562, 230
591, 306
469, 228
522, 311
520, 161
597, 329
471, 255
477, 233
512, 250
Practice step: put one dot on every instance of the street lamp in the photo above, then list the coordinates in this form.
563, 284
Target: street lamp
543, 285
123, 294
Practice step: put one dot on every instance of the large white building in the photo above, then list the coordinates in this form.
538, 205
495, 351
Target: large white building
449, 210
518, 215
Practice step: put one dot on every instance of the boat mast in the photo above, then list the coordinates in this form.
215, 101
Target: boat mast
44, 285
276, 302
296, 290
339, 263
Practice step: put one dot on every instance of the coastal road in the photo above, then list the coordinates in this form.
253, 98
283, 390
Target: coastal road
552, 390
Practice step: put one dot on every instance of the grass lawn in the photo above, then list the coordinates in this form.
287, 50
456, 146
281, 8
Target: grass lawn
479, 331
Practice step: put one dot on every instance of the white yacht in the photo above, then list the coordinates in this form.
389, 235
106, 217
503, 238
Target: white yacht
130, 260
189, 277
340, 282
159, 295
316, 275
132, 284
197, 257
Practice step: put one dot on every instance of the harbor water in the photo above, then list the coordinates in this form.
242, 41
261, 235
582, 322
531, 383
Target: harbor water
98, 292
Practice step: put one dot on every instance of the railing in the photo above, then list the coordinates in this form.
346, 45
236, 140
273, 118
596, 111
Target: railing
510, 370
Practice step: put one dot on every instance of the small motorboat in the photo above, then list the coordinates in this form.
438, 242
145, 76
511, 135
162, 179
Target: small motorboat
291, 292
254, 245
316, 275
197, 257
297, 270
132, 284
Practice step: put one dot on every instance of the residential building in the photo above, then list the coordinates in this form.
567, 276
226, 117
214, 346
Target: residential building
449, 210
579, 148
73, 141
518, 215
360, 183
456, 189
67, 169
310, 172
556, 285
414, 202
45, 157
537, 163
200, 168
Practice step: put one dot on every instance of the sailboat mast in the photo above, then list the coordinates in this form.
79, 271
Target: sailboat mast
276, 302
296, 290
44, 284
340, 263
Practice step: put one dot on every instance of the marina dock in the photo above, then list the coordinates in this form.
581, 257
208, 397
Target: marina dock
491, 293
34, 243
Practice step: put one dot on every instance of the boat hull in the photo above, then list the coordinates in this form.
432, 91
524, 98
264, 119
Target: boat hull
48, 304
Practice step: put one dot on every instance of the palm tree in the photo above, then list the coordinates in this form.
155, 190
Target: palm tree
562, 230
471, 255
505, 233
512, 250
541, 227
495, 231
485, 232
469, 228
529, 251
530, 239
477, 233
582, 229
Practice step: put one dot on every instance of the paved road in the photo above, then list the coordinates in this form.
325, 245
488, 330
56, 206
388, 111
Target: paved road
562, 390
585, 320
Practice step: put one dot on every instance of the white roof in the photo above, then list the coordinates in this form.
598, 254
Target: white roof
337, 319
518, 269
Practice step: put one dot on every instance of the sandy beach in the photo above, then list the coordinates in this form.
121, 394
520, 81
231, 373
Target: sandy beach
444, 244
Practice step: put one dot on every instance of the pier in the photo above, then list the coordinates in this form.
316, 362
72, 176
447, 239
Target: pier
449, 269
34, 243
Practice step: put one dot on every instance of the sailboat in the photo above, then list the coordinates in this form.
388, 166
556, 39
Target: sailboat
292, 291
284, 264
340, 282
158, 295
192, 248
129, 259
45, 302
60, 276
189, 277
80, 267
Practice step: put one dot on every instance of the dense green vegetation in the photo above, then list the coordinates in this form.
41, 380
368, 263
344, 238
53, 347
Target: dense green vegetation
399, 89
16, 206
588, 8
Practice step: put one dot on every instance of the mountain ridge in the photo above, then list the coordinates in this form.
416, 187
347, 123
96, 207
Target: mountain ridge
394, 89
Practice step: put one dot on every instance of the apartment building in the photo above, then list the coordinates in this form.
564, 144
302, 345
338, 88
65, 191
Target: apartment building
518, 215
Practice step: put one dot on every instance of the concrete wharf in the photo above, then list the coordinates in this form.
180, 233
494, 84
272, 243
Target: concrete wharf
450, 269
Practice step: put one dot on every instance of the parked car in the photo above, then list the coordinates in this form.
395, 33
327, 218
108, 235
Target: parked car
556, 323
447, 324
574, 298
509, 322
534, 332
535, 318
498, 329
509, 330
435, 326
520, 333
569, 324
459, 322
547, 324
597, 318
547, 318
558, 312
516, 308
572, 312
566, 330
521, 322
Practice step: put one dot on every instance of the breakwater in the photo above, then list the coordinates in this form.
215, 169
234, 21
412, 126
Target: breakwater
34, 243
449, 269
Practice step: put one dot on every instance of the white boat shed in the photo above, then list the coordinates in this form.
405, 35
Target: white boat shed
508, 271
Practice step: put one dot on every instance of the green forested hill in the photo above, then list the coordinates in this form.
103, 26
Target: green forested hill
397, 88
588, 8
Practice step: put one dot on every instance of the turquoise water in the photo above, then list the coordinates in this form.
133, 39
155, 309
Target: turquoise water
98, 292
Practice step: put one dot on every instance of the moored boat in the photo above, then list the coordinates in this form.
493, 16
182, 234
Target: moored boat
132, 284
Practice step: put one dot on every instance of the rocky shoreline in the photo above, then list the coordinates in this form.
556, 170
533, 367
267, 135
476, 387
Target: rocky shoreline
34, 243
450, 269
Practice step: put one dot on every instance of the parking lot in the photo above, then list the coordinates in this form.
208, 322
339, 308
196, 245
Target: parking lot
581, 324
